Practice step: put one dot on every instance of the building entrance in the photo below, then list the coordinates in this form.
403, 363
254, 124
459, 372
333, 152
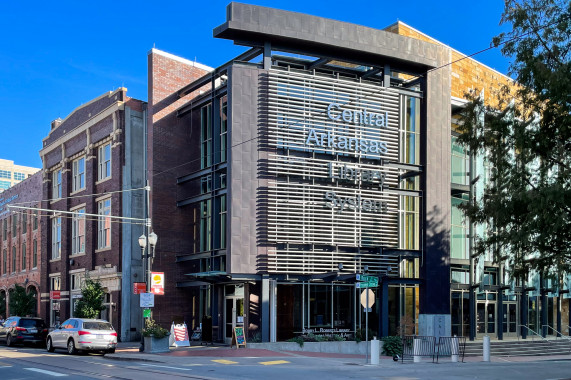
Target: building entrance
486, 318
511, 319
233, 310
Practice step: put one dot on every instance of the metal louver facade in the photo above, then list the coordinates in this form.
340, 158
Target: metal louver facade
331, 195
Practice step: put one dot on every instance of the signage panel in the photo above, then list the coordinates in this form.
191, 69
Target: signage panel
147, 300
158, 283
139, 287
55, 294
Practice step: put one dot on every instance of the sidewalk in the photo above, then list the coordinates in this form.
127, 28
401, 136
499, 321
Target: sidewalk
130, 351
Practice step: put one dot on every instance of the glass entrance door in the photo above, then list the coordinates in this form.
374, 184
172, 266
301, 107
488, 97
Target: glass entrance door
510, 319
233, 315
486, 319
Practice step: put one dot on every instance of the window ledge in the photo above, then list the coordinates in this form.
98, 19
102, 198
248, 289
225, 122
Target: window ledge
102, 249
77, 254
77, 191
55, 260
100, 181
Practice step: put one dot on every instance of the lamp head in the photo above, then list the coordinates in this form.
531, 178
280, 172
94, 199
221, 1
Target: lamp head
153, 239
142, 241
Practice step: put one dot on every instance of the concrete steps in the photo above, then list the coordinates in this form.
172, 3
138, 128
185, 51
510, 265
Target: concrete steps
523, 347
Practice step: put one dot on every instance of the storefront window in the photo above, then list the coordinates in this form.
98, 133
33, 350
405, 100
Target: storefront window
320, 306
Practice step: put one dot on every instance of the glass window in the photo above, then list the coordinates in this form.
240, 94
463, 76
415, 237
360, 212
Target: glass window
206, 136
5, 185
24, 221
78, 232
14, 225
459, 163
56, 184
409, 222
36, 216
104, 224
56, 238
5, 174
206, 184
104, 162
223, 129
5, 229
206, 225
320, 306
458, 231
35, 254
23, 256
13, 259
222, 221
5, 261
410, 141
19, 176
78, 174
76, 281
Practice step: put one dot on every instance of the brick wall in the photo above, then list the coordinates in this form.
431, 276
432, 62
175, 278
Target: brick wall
467, 74
29, 193
174, 151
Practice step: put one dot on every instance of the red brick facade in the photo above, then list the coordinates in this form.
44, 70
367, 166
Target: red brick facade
21, 229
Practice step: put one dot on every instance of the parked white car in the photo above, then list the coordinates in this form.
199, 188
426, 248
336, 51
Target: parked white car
82, 335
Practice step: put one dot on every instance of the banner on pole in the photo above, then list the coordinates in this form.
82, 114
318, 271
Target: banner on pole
179, 336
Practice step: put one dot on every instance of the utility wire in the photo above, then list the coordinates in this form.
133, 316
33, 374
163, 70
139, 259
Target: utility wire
494, 46
79, 196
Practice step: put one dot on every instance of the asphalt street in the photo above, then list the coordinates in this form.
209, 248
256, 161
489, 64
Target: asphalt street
34, 363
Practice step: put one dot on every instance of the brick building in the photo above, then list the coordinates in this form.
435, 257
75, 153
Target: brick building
21, 242
93, 170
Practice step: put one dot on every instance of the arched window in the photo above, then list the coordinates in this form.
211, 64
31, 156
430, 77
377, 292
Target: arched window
33, 291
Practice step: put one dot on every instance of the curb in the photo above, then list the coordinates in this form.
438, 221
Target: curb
125, 358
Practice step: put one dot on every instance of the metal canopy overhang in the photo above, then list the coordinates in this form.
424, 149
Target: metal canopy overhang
257, 39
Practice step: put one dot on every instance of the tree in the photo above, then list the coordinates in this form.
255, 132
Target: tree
527, 142
90, 304
22, 303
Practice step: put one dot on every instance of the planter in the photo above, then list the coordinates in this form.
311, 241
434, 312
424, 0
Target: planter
156, 345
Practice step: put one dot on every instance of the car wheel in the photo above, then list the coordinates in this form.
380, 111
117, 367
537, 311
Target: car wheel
71, 347
50, 345
9, 341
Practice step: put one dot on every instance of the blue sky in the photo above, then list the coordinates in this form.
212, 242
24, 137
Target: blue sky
57, 55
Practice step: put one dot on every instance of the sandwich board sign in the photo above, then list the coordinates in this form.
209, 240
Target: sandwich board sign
238, 337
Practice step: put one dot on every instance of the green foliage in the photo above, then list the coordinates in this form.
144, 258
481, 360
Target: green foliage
298, 339
360, 335
90, 304
392, 345
153, 329
256, 337
21, 303
526, 204
338, 338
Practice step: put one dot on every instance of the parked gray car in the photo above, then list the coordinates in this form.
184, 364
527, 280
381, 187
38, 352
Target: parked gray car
83, 335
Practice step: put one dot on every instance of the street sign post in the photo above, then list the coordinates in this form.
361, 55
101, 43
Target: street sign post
368, 301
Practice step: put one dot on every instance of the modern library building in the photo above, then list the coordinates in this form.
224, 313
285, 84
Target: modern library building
325, 150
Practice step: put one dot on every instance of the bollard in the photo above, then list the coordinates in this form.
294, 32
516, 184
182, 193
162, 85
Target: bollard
416, 347
375, 351
455, 349
486, 349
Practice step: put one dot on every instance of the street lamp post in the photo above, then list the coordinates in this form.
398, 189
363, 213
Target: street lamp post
143, 245
147, 267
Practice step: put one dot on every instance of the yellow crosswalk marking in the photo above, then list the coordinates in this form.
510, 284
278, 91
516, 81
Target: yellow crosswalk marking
274, 362
222, 361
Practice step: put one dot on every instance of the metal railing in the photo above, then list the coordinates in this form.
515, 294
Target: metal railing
531, 331
451, 346
418, 346
558, 334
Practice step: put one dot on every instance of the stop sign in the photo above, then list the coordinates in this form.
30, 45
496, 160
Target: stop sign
364, 298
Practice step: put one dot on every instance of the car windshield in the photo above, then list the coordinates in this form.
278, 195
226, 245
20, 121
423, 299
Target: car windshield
27, 323
97, 326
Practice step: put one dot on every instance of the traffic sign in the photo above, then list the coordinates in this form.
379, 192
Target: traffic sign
367, 281
147, 300
367, 298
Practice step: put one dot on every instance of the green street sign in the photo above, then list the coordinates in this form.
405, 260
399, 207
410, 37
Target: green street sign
146, 313
367, 281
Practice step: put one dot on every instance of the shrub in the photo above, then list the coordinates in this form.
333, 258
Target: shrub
299, 340
153, 329
360, 335
392, 345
